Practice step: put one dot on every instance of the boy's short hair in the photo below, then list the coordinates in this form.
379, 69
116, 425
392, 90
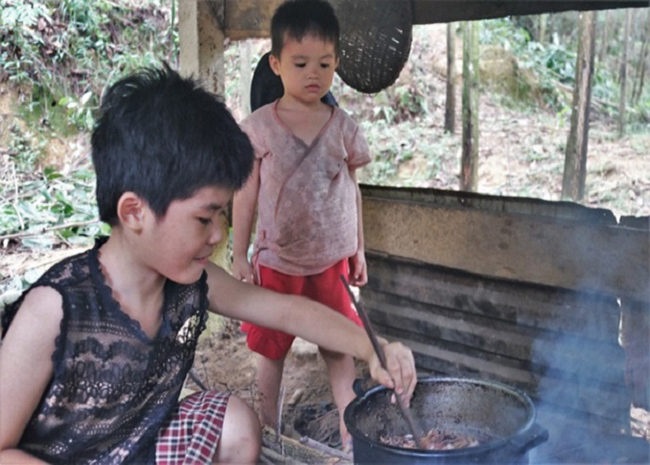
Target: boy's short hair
163, 137
299, 18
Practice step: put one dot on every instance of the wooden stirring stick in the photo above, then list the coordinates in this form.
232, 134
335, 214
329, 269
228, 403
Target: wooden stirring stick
405, 411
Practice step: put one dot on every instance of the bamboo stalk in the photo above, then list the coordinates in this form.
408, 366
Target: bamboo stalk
324, 448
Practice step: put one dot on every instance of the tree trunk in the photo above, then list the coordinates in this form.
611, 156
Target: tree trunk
450, 104
469, 162
245, 76
575, 161
543, 22
642, 65
604, 44
623, 75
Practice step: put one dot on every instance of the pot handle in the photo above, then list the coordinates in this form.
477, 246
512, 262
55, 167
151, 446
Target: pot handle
358, 386
535, 436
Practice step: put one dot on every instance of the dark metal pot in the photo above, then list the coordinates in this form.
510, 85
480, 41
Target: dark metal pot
502, 418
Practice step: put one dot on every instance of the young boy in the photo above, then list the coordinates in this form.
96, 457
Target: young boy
95, 353
309, 228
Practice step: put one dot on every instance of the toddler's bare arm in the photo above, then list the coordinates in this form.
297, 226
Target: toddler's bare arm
358, 267
244, 205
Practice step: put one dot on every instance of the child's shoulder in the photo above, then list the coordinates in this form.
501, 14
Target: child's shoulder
262, 114
345, 120
72, 267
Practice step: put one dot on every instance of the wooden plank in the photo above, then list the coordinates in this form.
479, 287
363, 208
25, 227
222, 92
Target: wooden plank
555, 252
286, 450
494, 203
535, 351
593, 316
597, 399
561, 346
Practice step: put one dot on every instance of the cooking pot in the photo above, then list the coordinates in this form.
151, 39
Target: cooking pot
500, 417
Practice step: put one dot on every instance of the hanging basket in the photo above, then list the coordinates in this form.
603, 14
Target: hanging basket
375, 41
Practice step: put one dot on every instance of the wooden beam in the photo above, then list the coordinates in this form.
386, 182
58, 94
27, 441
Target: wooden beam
245, 19
443, 11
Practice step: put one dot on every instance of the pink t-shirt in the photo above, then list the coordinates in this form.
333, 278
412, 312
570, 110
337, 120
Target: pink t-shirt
306, 206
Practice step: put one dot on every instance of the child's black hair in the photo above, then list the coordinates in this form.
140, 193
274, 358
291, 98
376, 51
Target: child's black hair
296, 19
163, 137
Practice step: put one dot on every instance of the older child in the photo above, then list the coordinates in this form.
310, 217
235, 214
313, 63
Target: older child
309, 229
95, 354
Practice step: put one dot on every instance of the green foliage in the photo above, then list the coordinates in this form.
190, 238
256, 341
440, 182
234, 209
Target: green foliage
553, 63
48, 200
66, 51
60, 55
550, 64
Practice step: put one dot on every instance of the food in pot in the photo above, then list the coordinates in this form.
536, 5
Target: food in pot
435, 440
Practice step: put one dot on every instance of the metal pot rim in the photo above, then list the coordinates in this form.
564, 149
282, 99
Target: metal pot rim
497, 443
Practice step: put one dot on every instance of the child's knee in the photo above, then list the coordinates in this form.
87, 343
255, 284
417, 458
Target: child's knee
241, 438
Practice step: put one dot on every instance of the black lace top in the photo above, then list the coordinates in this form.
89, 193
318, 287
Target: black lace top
113, 386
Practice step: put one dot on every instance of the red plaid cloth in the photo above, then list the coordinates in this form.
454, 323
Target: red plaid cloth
191, 435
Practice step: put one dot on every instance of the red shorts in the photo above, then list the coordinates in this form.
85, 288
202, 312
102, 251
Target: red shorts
325, 287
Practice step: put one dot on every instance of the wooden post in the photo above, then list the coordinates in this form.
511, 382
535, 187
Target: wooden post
641, 67
604, 37
575, 161
469, 162
245, 76
541, 33
450, 103
188, 35
623, 79
635, 334
202, 43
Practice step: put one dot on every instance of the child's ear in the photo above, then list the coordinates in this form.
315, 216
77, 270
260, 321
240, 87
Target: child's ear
131, 210
274, 63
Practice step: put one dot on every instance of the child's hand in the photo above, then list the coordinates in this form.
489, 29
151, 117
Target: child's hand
401, 375
242, 269
358, 269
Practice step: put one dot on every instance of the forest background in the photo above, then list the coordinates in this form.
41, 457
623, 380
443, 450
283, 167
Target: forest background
56, 58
